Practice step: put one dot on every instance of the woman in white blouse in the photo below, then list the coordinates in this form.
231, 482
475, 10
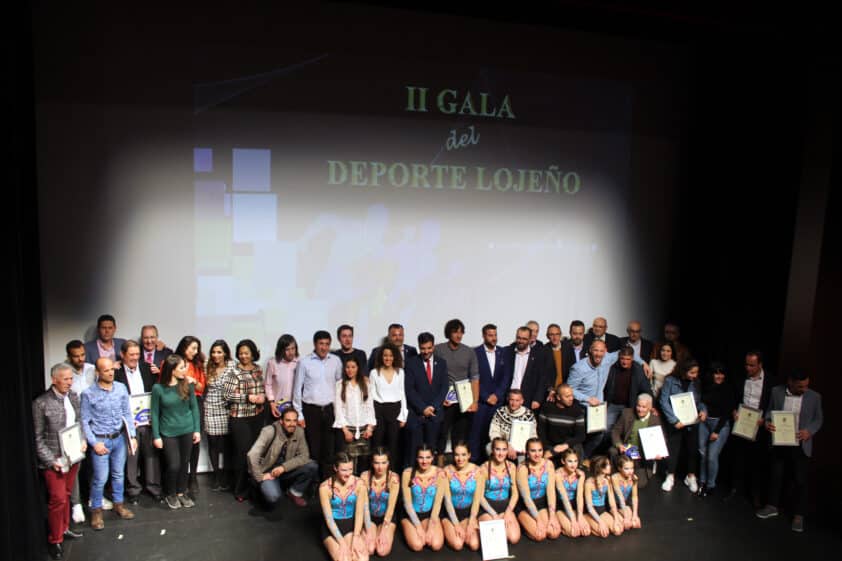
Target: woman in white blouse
354, 418
387, 381
662, 368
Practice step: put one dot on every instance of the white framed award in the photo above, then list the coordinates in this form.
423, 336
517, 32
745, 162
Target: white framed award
597, 419
684, 408
464, 394
70, 439
785, 430
141, 406
520, 433
492, 537
653, 443
746, 424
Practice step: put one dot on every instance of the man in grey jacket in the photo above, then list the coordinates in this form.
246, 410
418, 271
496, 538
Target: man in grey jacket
53, 411
796, 397
280, 458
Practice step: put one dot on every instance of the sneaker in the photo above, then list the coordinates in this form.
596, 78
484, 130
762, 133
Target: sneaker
668, 483
78, 514
767, 511
691, 483
798, 523
173, 502
107, 504
186, 501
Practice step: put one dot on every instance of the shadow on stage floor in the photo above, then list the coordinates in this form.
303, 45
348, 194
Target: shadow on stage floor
675, 526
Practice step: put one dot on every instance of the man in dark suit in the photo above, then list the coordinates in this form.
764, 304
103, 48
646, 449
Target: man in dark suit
153, 351
599, 332
573, 349
528, 372
752, 391
425, 384
105, 345
534, 327
796, 397
642, 347
626, 381
495, 377
137, 376
395, 336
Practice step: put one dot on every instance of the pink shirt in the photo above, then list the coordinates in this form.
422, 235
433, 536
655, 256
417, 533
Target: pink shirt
278, 379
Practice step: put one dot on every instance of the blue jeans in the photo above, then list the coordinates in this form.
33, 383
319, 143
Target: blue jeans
112, 464
298, 480
709, 451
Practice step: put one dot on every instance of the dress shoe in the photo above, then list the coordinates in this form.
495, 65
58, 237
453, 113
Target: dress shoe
72, 534
96, 519
55, 550
121, 511
296, 500
133, 500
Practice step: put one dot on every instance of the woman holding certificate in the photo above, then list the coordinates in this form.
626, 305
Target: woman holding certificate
720, 401
462, 496
536, 484
421, 486
175, 427
343, 500
570, 482
500, 497
682, 408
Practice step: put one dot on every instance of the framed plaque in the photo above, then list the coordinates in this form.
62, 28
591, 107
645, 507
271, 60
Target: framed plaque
597, 420
464, 394
746, 424
71, 442
785, 431
684, 407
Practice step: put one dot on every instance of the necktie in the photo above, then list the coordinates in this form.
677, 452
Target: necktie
149, 357
429, 372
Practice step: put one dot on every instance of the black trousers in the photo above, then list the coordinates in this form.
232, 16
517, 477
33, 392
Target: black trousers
387, 432
194, 454
458, 424
746, 457
688, 439
420, 429
244, 431
790, 458
319, 433
220, 445
177, 458
146, 462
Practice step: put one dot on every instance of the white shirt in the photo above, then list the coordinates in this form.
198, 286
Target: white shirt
521, 361
69, 413
792, 403
82, 380
353, 412
491, 356
752, 391
636, 347
135, 380
384, 392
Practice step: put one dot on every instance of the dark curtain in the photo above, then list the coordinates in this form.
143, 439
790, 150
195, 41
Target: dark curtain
22, 510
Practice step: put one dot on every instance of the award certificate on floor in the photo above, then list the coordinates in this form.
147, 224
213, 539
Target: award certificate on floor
141, 406
746, 424
464, 394
520, 433
653, 443
684, 408
785, 431
70, 439
597, 419
492, 536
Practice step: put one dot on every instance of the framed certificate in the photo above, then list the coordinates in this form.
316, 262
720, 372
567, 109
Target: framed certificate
653, 443
464, 394
520, 433
746, 424
141, 406
597, 417
785, 430
71, 441
684, 407
492, 536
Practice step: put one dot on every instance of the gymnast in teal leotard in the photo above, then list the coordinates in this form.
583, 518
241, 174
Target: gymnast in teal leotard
462, 496
624, 482
536, 484
343, 499
383, 488
570, 482
422, 490
501, 496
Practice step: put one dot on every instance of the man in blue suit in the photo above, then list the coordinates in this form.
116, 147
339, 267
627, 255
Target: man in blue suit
105, 345
495, 377
425, 383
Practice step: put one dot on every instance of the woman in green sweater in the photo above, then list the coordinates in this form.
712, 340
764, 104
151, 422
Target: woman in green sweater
175, 427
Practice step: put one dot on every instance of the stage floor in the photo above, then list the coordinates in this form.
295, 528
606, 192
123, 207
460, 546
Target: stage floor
675, 526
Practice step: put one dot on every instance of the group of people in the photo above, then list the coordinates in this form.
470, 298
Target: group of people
432, 426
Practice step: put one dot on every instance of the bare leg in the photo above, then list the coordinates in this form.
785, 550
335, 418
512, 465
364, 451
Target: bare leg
530, 526
387, 536
411, 536
471, 537
565, 523
455, 542
512, 528
332, 547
